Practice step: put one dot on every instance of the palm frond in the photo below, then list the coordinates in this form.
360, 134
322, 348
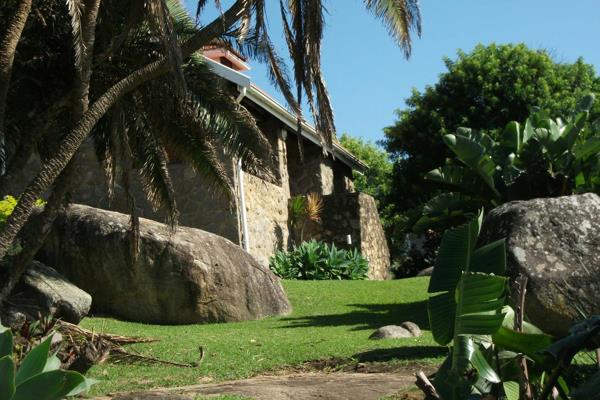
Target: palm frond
221, 118
106, 140
183, 25
151, 158
176, 124
163, 24
75, 8
400, 17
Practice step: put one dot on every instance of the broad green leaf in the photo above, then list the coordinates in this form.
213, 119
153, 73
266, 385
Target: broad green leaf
590, 147
509, 322
527, 131
511, 390
445, 207
463, 348
569, 135
555, 131
529, 344
474, 155
7, 378
52, 385
453, 175
454, 255
490, 259
83, 387
586, 103
441, 310
480, 298
449, 385
34, 362
483, 367
6, 343
512, 137
52, 364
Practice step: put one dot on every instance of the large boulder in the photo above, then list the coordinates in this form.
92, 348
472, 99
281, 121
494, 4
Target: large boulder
555, 242
41, 291
178, 277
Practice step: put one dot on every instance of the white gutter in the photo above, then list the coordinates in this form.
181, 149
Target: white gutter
272, 106
264, 100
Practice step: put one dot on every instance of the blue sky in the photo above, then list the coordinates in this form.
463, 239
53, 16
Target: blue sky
368, 78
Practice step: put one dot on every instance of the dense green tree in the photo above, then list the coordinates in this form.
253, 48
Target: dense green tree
376, 180
483, 90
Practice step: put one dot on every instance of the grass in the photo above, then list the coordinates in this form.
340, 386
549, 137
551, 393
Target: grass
330, 319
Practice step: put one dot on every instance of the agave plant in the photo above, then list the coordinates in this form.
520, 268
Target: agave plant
314, 260
38, 376
542, 158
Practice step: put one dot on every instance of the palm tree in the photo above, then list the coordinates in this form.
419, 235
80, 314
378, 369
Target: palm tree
135, 133
243, 23
8, 47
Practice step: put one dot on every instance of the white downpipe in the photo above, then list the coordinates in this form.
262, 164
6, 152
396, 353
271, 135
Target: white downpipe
244, 217
242, 194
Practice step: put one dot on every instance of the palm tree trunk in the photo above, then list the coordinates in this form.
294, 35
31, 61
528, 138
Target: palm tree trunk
70, 144
35, 233
8, 47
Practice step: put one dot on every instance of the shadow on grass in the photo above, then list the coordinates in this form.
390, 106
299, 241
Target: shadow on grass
368, 316
401, 353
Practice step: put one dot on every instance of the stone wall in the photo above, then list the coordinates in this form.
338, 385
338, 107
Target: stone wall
266, 196
354, 214
267, 209
199, 205
314, 174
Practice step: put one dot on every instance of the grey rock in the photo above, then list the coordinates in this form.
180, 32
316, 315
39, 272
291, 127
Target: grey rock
426, 272
391, 332
412, 328
43, 291
182, 277
555, 243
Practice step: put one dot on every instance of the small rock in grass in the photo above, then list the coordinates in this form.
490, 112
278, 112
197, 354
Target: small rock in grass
426, 272
412, 328
391, 332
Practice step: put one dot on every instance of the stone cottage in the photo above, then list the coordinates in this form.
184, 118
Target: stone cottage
257, 219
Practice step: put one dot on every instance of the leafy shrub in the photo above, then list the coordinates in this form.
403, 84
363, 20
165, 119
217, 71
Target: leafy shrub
468, 311
304, 209
7, 206
542, 158
38, 376
319, 261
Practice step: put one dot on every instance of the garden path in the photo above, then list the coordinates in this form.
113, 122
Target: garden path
299, 386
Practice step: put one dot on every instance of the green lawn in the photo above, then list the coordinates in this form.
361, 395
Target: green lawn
330, 319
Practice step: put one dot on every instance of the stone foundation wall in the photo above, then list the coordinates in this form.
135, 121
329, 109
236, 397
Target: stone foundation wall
267, 208
372, 238
199, 206
354, 214
267, 213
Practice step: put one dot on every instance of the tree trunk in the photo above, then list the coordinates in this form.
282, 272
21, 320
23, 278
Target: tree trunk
35, 233
8, 47
70, 144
